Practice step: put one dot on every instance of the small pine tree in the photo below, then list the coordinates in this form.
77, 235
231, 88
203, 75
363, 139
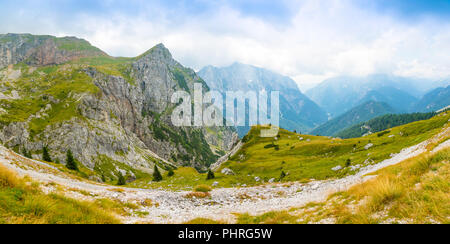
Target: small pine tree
26, 153
282, 175
348, 163
156, 174
121, 181
70, 163
45, 155
210, 175
170, 173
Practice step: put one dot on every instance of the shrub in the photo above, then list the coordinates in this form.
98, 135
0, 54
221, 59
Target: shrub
45, 155
71, 164
383, 133
156, 174
121, 181
202, 188
269, 145
197, 195
210, 175
170, 173
282, 175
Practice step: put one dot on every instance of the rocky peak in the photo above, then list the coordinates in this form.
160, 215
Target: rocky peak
158, 52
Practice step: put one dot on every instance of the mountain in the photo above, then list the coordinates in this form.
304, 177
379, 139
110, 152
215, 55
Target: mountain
382, 123
43, 50
436, 99
298, 112
339, 94
114, 114
354, 116
400, 100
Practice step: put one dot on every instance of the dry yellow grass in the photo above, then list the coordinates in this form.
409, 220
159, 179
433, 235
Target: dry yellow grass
21, 202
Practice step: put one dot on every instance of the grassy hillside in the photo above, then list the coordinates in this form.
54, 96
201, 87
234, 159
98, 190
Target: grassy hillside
21, 202
304, 157
415, 191
382, 123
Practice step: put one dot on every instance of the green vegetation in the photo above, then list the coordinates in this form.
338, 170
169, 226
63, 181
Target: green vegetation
382, 123
210, 175
75, 44
46, 98
202, 188
121, 180
108, 169
45, 154
314, 157
70, 161
26, 153
192, 140
157, 175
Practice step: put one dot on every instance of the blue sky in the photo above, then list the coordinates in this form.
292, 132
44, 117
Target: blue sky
308, 40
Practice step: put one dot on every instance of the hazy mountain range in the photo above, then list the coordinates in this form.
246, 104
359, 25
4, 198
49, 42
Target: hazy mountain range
340, 94
298, 112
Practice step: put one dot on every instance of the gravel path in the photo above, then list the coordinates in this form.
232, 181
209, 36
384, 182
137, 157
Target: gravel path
173, 207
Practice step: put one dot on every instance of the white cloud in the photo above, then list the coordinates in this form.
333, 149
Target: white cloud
323, 39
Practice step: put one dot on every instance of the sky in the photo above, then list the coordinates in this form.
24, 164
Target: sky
308, 40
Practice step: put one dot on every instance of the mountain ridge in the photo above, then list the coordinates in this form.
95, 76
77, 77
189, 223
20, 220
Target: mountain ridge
361, 113
297, 111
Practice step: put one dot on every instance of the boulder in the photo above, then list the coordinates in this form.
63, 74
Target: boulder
227, 171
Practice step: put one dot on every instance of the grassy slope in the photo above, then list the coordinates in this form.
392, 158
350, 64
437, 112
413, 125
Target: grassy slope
382, 123
303, 160
21, 202
415, 191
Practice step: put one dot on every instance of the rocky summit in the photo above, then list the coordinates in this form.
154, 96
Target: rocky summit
112, 113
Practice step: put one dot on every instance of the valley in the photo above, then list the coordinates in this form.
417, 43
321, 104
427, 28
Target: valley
220, 204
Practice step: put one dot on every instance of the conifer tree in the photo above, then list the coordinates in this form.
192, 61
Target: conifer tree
282, 175
70, 162
121, 181
45, 155
156, 174
210, 175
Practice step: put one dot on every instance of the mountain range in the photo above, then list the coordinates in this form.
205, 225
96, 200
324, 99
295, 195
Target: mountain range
340, 94
297, 111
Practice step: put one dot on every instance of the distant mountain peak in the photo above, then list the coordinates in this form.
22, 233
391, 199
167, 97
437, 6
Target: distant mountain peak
297, 111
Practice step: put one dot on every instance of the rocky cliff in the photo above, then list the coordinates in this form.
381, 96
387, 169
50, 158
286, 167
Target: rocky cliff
113, 113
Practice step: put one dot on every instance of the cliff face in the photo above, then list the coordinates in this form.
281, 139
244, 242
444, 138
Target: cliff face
113, 113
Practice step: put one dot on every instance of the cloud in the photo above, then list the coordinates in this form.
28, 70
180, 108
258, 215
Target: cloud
307, 40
